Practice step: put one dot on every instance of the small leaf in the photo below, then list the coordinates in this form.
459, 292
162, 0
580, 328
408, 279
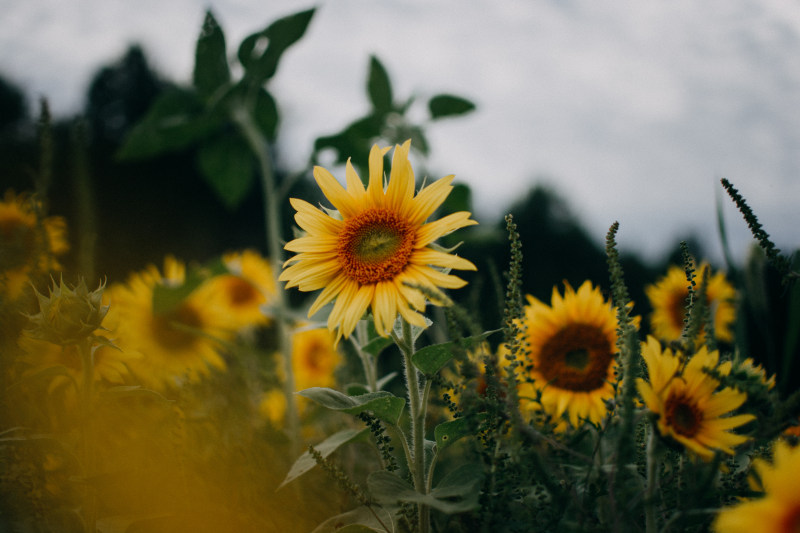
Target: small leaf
382, 404
448, 105
260, 65
266, 114
377, 345
227, 165
211, 70
385, 379
431, 359
458, 492
448, 432
306, 461
379, 87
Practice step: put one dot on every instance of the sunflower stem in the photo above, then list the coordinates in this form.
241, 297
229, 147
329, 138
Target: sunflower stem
86, 397
652, 479
243, 117
417, 409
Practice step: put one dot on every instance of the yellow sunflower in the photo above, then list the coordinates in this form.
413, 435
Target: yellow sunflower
245, 290
668, 299
570, 347
778, 511
178, 343
314, 358
690, 409
377, 245
29, 244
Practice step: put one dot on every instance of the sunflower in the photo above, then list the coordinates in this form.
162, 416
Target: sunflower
245, 290
690, 409
778, 511
377, 249
29, 243
175, 343
668, 299
570, 354
314, 358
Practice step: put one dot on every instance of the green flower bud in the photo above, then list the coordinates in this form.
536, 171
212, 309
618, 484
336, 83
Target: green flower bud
69, 314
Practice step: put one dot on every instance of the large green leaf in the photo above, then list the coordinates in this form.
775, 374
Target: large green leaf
448, 105
382, 404
260, 63
458, 491
227, 165
431, 359
306, 461
175, 121
449, 432
211, 72
379, 88
360, 519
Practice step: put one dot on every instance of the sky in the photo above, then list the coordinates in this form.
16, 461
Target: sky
630, 110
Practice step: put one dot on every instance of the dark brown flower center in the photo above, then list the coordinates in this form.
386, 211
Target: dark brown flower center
173, 329
791, 521
682, 415
375, 246
576, 358
241, 292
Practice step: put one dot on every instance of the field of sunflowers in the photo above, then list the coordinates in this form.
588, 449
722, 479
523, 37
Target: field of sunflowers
363, 366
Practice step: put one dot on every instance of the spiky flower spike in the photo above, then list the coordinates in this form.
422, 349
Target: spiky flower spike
69, 314
378, 248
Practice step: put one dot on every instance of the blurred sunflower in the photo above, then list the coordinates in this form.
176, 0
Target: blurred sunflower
778, 511
180, 341
570, 353
29, 243
690, 409
668, 298
245, 290
314, 358
377, 245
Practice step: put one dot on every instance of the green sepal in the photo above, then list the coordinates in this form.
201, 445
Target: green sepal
306, 461
382, 404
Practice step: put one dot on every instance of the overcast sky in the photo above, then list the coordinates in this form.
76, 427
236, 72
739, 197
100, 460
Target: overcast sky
632, 110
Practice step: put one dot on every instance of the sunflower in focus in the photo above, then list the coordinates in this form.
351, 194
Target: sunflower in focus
29, 244
245, 290
778, 511
690, 409
179, 342
378, 247
570, 346
668, 299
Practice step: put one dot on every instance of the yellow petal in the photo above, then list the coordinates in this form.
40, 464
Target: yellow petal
337, 195
429, 199
439, 228
426, 256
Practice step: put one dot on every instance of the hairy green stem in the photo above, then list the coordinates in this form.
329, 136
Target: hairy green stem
272, 220
86, 399
652, 479
417, 409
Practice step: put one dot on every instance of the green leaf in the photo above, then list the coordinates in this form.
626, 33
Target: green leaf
175, 121
385, 379
306, 461
379, 87
448, 432
266, 114
261, 63
458, 492
227, 165
360, 517
431, 359
459, 199
448, 105
377, 345
382, 404
211, 70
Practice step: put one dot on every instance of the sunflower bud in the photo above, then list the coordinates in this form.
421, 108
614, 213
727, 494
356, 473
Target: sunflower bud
69, 314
